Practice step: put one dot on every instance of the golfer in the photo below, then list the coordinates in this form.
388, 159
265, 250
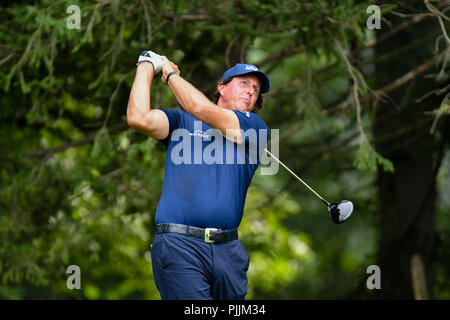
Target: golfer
196, 253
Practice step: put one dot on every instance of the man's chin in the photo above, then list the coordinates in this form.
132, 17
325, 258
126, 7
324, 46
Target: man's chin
243, 107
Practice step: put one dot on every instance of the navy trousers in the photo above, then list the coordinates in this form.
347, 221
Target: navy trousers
187, 268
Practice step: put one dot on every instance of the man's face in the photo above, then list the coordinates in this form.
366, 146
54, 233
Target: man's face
240, 93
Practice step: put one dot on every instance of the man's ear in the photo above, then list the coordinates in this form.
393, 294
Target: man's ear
220, 88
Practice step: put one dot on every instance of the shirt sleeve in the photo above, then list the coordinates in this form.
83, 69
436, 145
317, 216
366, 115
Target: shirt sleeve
173, 116
256, 132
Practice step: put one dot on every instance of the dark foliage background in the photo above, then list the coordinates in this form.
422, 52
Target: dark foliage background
362, 115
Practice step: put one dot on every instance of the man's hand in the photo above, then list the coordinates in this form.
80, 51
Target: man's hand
152, 57
167, 67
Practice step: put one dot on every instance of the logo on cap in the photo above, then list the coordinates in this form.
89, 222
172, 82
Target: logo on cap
242, 68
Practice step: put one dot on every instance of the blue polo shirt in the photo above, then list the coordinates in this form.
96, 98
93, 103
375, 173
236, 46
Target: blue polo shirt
207, 176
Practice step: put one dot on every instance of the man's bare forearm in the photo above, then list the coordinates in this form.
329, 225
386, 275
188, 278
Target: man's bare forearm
190, 98
197, 104
139, 101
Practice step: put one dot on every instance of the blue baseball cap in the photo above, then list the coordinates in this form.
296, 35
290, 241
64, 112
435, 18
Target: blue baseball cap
242, 68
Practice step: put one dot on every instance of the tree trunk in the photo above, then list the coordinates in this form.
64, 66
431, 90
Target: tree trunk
407, 197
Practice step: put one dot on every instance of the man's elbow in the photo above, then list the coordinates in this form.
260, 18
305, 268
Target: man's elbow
132, 116
132, 120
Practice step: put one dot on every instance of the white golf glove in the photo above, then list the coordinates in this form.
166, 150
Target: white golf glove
152, 57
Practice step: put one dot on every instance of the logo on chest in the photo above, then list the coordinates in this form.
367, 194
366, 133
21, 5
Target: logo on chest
200, 133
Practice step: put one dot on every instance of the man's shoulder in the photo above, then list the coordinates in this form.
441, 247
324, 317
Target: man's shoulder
171, 110
176, 113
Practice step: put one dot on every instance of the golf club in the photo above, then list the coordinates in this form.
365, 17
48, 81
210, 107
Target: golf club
339, 211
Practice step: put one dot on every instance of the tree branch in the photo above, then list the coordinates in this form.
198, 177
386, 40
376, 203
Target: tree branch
285, 52
355, 86
196, 17
377, 93
393, 85
48, 153
439, 16
416, 19
436, 92
147, 20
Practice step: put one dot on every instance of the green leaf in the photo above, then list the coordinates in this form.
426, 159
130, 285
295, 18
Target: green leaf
23, 85
102, 144
367, 159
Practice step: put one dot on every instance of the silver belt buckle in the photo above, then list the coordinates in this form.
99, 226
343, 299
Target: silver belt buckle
207, 234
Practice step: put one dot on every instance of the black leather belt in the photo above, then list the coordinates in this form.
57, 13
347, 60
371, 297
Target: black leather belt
209, 235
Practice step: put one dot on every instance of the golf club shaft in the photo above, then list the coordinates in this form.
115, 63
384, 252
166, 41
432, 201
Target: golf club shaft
298, 178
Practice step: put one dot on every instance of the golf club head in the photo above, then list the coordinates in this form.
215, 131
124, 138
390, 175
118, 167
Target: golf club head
340, 211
